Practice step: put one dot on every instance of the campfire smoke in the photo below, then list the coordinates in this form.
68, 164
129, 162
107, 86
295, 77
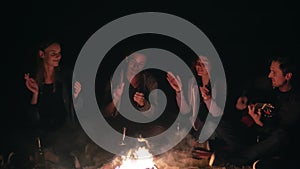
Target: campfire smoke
181, 156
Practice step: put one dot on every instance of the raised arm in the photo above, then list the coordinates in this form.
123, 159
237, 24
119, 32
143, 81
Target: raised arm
176, 84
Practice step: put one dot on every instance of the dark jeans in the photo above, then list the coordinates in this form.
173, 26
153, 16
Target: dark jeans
235, 135
240, 146
273, 145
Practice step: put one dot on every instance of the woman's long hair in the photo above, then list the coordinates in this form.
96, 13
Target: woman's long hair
40, 72
193, 68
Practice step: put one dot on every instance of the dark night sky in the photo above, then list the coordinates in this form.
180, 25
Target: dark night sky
244, 34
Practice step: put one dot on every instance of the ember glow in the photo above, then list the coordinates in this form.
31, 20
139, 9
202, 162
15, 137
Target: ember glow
138, 159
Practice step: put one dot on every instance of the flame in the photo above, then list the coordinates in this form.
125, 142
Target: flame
138, 159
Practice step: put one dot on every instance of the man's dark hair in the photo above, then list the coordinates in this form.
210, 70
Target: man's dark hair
288, 64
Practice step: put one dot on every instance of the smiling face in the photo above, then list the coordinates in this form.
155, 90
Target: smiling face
51, 55
136, 63
202, 66
279, 79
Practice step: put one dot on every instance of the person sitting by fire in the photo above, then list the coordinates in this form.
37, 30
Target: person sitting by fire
210, 107
276, 126
138, 83
50, 109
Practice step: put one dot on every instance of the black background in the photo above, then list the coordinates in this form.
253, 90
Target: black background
244, 34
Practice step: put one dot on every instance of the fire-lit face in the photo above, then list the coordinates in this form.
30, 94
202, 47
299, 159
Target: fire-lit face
201, 67
51, 55
279, 80
136, 63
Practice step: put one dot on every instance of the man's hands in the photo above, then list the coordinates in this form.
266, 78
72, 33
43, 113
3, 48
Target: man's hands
241, 103
255, 115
